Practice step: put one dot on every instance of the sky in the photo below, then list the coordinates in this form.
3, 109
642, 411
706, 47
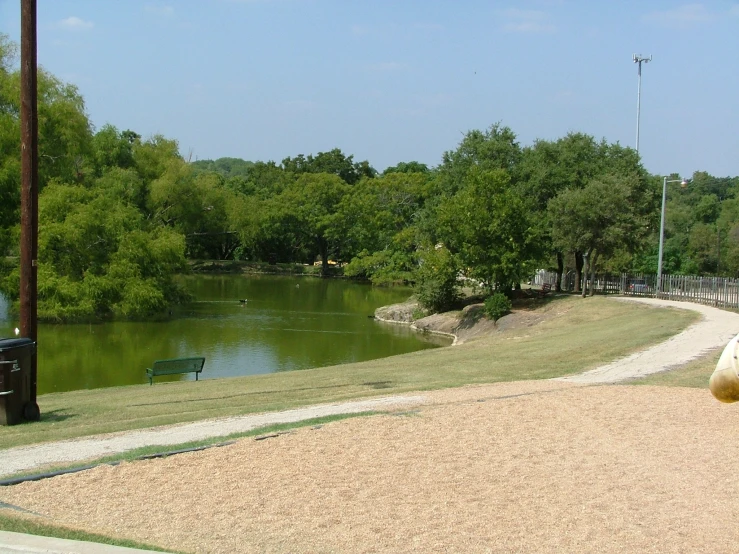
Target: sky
393, 81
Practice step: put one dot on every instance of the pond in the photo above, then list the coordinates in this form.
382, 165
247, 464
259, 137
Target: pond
284, 324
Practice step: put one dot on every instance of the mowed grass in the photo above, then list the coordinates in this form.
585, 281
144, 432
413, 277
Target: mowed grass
577, 335
694, 375
20, 524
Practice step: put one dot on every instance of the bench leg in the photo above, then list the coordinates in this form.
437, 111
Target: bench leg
196, 375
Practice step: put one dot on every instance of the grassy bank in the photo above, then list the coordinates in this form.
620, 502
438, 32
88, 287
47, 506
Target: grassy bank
583, 335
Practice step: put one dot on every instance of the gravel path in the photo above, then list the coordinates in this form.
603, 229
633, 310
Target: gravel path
24, 458
536, 466
715, 330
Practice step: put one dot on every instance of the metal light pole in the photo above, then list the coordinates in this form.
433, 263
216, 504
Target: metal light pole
683, 182
638, 60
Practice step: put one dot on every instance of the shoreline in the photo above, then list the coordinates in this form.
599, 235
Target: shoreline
413, 326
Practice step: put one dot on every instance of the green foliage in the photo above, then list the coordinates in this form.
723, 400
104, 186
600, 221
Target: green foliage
307, 209
333, 163
226, 167
494, 149
436, 282
497, 305
407, 167
99, 259
598, 217
386, 267
488, 226
112, 149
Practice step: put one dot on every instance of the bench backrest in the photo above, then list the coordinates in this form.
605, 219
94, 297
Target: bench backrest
179, 365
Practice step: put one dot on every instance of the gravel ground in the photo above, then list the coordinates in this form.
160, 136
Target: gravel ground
512, 467
537, 466
25, 458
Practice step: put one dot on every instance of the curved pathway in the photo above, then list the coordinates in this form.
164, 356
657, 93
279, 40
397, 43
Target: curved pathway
714, 330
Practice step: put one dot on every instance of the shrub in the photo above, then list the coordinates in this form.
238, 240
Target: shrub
497, 305
436, 286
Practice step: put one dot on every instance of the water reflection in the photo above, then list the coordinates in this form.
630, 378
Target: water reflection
285, 324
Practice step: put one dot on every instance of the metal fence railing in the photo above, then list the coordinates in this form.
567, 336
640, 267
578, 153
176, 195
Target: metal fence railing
720, 292
713, 291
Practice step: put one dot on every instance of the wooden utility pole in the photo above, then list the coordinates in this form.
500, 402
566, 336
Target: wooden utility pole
29, 191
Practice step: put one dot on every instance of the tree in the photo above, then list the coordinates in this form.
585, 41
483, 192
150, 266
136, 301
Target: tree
308, 209
597, 220
113, 149
489, 228
407, 167
376, 226
98, 259
550, 167
333, 162
64, 135
495, 148
226, 167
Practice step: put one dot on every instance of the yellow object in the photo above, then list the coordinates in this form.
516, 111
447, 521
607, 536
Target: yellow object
724, 382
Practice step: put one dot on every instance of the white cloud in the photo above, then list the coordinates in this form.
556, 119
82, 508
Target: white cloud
689, 14
165, 11
527, 21
75, 23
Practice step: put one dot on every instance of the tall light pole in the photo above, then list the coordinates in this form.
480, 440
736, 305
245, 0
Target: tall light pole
638, 59
684, 183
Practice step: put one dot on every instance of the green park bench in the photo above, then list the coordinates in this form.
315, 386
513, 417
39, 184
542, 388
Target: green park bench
175, 366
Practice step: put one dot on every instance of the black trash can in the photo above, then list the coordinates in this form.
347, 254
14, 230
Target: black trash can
16, 357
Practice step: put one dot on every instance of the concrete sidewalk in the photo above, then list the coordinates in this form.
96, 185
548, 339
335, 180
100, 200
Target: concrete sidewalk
13, 543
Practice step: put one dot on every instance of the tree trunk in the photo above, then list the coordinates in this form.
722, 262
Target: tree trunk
578, 270
560, 271
584, 272
592, 272
323, 251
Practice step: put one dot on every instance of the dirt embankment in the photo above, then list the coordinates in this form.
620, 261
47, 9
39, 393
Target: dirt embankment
468, 323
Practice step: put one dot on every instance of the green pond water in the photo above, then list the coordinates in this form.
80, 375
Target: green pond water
286, 323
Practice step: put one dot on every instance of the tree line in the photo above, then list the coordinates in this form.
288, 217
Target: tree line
119, 214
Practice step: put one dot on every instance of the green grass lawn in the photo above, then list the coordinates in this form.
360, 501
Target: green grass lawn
582, 334
33, 527
695, 374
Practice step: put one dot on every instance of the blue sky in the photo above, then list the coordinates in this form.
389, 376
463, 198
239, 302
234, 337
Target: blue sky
403, 80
